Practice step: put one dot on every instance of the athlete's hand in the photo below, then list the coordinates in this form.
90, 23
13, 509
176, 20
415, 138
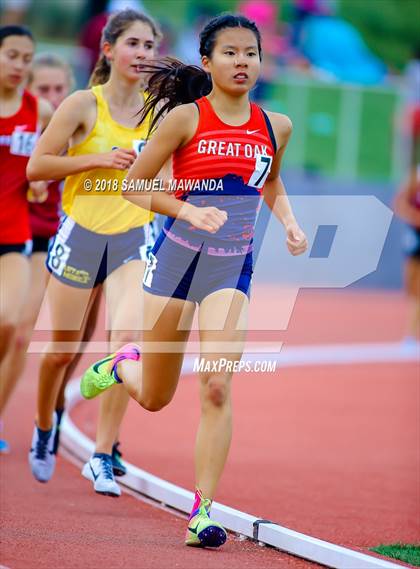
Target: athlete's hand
118, 159
296, 239
208, 219
37, 192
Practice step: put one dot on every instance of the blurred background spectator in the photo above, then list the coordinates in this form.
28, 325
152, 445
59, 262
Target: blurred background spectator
14, 11
337, 51
266, 15
186, 47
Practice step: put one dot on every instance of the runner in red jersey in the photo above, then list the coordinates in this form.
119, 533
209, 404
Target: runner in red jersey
51, 79
18, 134
239, 158
21, 117
226, 155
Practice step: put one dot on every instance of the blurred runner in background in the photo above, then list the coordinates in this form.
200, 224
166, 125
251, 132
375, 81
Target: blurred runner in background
407, 201
21, 119
407, 206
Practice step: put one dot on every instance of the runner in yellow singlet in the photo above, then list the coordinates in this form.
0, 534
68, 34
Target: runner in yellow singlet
103, 240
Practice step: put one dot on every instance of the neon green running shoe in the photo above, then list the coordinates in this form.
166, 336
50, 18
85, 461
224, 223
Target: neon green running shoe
202, 531
103, 374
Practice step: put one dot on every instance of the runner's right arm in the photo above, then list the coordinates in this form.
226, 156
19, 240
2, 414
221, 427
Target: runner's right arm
72, 116
174, 131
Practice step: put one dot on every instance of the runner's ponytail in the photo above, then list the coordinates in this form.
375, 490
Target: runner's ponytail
101, 73
172, 83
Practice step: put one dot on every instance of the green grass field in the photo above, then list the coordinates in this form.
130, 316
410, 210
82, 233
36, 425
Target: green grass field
342, 131
409, 553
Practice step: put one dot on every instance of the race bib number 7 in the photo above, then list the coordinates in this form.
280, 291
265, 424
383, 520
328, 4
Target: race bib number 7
262, 169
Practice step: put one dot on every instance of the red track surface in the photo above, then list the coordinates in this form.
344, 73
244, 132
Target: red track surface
65, 525
327, 450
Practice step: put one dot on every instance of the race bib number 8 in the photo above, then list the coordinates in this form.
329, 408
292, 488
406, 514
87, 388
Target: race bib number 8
150, 269
144, 251
58, 255
23, 143
262, 169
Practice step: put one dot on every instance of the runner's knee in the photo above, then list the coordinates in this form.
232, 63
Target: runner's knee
7, 331
21, 340
157, 403
215, 390
122, 337
23, 334
59, 359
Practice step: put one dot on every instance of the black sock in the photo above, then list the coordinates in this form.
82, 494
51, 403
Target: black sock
59, 414
44, 434
101, 455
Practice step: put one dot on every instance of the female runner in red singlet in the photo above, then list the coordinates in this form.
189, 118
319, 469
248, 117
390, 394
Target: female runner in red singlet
226, 154
21, 118
50, 78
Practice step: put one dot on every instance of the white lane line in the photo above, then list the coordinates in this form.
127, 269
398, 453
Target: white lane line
323, 354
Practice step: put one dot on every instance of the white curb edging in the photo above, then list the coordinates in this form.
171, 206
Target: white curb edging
264, 531
176, 497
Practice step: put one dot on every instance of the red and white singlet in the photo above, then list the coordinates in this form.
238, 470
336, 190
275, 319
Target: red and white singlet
226, 167
18, 135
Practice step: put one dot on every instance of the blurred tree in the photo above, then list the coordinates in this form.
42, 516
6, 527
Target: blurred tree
391, 28
181, 11
176, 10
218, 6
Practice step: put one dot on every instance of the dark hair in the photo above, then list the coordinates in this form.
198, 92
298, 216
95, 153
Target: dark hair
208, 34
176, 83
6, 31
116, 25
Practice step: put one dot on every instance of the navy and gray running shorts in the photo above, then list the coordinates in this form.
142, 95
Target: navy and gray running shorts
176, 271
84, 259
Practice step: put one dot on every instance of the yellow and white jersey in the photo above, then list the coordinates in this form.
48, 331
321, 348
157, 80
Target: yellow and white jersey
93, 198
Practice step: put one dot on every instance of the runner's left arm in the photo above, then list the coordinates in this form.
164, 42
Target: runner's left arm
274, 192
38, 191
